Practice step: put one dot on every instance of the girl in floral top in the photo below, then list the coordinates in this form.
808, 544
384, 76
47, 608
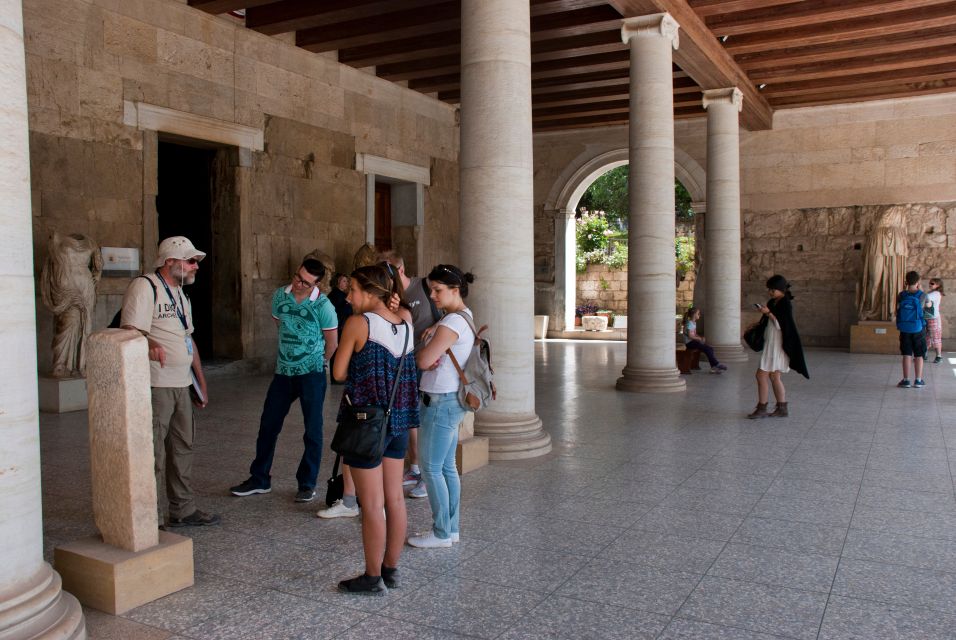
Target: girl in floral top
369, 350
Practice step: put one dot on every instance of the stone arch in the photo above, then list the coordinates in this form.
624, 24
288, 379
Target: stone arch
563, 199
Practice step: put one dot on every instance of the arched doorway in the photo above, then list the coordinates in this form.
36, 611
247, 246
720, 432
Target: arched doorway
563, 200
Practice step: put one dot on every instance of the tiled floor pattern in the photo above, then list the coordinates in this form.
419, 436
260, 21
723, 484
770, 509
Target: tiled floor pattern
656, 516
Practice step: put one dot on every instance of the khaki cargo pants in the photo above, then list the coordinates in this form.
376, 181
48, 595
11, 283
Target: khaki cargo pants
173, 430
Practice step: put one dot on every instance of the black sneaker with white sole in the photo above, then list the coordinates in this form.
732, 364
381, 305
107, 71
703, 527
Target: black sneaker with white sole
248, 488
305, 495
390, 577
195, 519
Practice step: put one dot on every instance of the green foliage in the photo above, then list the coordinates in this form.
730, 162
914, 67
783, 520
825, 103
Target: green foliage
609, 194
618, 257
684, 254
682, 200
592, 232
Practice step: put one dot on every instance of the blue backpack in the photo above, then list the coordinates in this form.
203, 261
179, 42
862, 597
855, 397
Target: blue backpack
909, 312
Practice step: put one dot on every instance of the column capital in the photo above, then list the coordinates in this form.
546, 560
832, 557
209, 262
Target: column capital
563, 214
729, 95
654, 25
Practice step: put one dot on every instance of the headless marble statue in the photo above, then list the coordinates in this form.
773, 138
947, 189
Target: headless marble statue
68, 289
884, 266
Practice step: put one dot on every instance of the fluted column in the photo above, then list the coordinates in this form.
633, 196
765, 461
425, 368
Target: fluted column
32, 603
651, 293
723, 223
497, 214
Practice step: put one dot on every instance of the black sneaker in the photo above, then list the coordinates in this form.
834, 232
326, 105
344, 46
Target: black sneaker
365, 585
390, 577
248, 488
305, 495
937, 359
195, 519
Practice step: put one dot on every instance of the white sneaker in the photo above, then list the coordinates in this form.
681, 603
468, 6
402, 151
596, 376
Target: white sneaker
339, 510
454, 537
420, 490
429, 541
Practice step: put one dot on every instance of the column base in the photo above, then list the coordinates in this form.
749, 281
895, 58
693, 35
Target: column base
512, 436
731, 352
650, 380
43, 611
114, 580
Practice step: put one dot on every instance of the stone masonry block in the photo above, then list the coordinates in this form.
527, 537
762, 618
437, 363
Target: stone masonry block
121, 439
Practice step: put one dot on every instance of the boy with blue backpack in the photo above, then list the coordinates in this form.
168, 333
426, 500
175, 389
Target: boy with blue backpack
909, 321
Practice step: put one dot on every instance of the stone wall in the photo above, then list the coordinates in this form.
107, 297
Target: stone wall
814, 181
93, 174
607, 288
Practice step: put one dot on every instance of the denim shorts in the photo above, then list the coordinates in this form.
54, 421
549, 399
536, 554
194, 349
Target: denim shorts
395, 447
913, 344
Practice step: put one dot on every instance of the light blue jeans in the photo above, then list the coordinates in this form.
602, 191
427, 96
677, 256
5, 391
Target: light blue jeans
437, 440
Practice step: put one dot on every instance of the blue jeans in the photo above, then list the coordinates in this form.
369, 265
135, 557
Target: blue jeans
706, 349
437, 440
309, 388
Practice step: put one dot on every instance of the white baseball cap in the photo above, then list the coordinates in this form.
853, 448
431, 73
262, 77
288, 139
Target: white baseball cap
178, 248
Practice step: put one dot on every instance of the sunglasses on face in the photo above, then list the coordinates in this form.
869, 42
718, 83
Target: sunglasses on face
303, 281
191, 261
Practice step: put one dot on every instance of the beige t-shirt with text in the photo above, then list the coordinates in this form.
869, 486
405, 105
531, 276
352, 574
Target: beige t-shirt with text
161, 323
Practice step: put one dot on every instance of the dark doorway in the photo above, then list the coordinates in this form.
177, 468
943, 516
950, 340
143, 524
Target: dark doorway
383, 216
186, 206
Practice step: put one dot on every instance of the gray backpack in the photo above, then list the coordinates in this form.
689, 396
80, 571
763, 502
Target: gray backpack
477, 377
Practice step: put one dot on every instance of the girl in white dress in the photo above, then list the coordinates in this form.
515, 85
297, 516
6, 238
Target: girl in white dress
782, 350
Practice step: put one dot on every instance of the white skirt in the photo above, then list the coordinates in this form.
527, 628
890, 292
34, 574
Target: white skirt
773, 357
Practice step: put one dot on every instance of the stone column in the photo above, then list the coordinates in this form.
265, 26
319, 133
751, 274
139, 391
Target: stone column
497, 213
723, 223
565, 276
32, 602
651, 278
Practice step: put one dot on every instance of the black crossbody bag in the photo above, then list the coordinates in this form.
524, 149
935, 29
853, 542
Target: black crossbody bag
361, 433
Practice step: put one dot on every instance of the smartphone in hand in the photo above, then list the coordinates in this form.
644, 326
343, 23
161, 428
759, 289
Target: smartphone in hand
757, 305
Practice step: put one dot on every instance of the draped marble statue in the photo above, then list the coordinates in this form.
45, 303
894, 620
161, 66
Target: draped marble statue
68, 289
884, 266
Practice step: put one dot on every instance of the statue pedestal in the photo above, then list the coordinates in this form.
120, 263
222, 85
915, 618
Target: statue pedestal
59, 395
472, 451
115, 580
874, 336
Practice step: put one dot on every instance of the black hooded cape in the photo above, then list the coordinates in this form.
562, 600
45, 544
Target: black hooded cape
782, 310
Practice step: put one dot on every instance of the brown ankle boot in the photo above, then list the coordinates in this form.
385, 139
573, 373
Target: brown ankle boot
759, 412
780, 411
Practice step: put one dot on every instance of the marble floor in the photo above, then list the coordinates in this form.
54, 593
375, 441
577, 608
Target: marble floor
667, 516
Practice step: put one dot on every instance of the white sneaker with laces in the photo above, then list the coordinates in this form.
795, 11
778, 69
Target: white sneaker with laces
339, 510
429, 541
420, 490
455, 537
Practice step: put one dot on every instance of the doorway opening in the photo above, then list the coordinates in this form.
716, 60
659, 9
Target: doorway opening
196, 198
383, 216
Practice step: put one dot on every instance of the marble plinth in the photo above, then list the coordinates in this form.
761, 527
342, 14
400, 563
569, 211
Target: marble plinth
59, 395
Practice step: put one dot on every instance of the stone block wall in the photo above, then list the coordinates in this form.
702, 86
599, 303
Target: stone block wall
607, 288
95, 175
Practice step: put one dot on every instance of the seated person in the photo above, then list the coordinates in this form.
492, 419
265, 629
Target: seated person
694, 341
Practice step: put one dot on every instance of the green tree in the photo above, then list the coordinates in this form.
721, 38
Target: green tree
609, 194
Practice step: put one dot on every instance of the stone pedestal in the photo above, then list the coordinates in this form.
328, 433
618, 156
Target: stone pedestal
472, 451
541, 327
116, 580
652, 300
133, 562
873, 336
60, 395
497, 212
723, 223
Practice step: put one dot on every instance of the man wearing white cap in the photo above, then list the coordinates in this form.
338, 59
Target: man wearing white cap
156, 306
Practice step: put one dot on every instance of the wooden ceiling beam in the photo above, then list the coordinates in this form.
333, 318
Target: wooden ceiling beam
420, 68
808, 13
701, 55
386, 27
796, 56
926, 76
865, 64
293, 15
572, 23
408, 49
606, 106
225, 6
870, 26
866, 94
705, 8
542, 7
605, 120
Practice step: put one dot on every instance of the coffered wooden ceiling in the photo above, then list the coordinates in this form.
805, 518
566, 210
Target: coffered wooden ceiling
781, 53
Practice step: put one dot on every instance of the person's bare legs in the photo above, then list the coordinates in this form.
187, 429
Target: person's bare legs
763, 386
413, 447
348, 485
368, 482
396, 524
918, 366
907, 361
779, 393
